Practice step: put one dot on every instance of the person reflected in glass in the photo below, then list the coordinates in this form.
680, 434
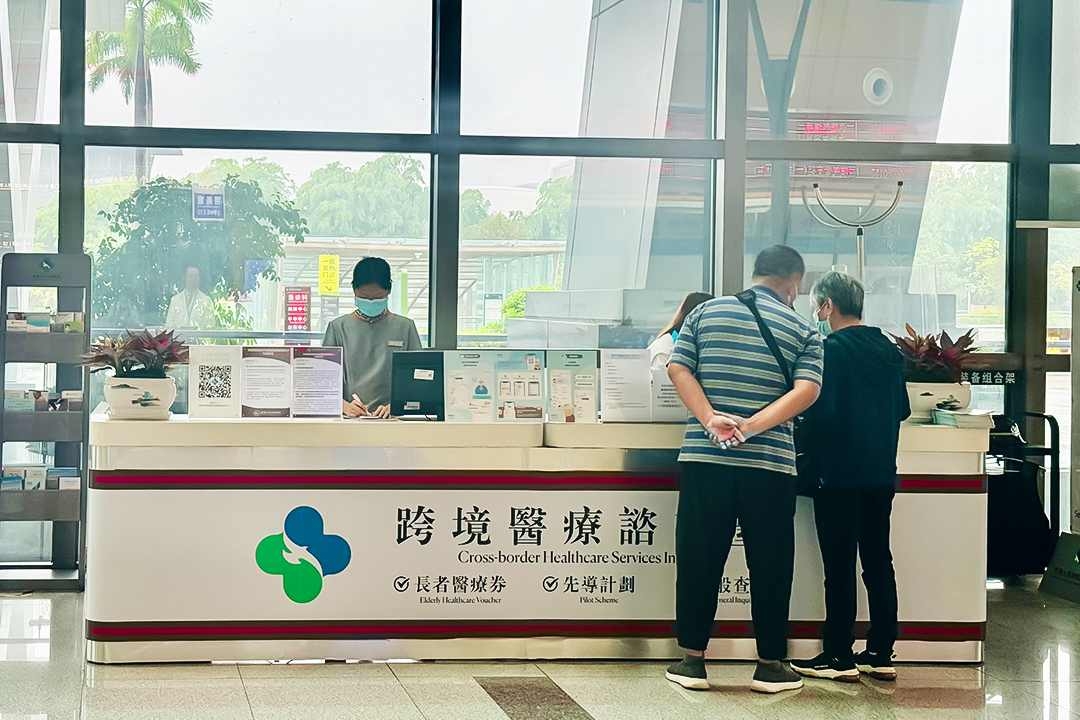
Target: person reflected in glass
369, 336
191, 308
853, 432
661, 348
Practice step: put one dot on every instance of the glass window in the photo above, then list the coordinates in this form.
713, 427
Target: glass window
938, 262
1065, 192
362, 65
625, 68
939, 74
1062, 255
1065, 74
579, 252
213, 242
30, 62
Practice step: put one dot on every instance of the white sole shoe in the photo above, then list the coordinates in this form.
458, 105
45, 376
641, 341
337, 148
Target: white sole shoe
775, 687
878, 673
851, 675
688, 682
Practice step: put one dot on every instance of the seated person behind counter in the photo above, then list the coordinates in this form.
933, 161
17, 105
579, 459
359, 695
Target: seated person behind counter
368, 337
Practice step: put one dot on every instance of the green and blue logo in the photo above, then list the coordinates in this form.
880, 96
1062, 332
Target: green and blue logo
303, 555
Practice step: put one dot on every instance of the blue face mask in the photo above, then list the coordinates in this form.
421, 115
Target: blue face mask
675, 336
371, 308
823, 327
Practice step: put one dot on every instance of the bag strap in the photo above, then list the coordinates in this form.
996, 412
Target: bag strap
749, 299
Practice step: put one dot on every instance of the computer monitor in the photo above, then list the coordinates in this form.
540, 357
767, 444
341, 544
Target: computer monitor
417, 388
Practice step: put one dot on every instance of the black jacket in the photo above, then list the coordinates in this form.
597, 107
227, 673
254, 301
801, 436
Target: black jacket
854, 427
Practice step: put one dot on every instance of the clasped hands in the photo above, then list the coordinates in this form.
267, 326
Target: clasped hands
728, 431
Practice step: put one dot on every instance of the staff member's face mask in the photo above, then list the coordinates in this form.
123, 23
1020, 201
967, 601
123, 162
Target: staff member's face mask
371, 308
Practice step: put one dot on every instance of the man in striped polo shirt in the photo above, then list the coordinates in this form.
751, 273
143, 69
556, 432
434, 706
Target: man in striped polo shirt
738, 461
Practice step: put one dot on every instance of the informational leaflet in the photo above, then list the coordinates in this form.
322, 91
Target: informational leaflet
625, 392
470, 386
214, 381
316, 382
667, 407
267, 373
572, 386
520, 385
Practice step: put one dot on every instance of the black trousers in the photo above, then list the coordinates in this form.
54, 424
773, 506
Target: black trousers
712, 499
850, 521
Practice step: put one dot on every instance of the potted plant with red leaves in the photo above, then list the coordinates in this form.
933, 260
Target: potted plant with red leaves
933, 365
139, 388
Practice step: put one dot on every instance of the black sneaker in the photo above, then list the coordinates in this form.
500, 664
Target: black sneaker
877, 665
773, 676
827, 668
689, 673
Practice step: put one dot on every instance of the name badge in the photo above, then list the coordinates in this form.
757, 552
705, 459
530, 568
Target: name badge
395, 343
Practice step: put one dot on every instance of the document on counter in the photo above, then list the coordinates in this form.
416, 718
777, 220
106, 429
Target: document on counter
316, 382
214, 380
470, 386
267, 382
572, 386
625, 387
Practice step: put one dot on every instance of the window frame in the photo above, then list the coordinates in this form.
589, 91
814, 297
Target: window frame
1029, 154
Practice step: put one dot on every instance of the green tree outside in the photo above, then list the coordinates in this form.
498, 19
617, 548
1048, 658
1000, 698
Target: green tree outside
386, 197
152, 236
269, 176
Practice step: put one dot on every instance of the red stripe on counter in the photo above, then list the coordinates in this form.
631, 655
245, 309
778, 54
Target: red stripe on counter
422, 629
389, 481
942, 483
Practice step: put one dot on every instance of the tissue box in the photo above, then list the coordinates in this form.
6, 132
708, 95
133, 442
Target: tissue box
38, 322
18, 401
12, 479
32, 476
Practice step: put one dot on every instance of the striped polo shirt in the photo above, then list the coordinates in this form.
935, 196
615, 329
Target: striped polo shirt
721, 344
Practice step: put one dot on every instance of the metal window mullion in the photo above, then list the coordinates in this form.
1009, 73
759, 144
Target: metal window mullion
1025, 298
445, 173
733, 240
228, 139
666, 148
879, 151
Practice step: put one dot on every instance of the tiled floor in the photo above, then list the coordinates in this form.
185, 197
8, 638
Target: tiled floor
1032, 673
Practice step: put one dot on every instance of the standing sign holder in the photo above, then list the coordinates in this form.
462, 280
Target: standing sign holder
860, 223
66, 509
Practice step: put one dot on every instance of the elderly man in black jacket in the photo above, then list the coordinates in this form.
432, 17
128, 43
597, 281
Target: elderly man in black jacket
854, 430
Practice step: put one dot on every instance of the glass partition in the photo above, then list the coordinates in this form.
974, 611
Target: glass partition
213, 240
597, 250
937, 262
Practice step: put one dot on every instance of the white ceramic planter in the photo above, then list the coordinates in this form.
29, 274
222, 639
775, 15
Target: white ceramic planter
925, 396
140, 398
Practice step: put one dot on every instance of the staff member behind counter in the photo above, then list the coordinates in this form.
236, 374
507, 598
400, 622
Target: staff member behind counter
368, 337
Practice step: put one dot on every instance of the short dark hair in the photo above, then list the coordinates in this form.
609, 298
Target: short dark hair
845, 292
372, 270
779, 261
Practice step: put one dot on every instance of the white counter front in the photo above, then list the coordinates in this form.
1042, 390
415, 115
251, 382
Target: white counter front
275, 539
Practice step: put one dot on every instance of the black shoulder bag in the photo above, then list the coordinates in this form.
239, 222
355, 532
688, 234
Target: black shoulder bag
808, 478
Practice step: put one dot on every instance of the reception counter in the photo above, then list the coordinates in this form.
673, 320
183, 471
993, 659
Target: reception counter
291, 539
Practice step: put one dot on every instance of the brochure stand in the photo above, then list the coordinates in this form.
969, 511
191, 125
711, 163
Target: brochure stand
66, 509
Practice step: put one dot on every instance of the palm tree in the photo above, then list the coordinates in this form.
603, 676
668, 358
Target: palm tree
156, 32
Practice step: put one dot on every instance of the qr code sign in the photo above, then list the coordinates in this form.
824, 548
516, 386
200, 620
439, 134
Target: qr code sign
215, 382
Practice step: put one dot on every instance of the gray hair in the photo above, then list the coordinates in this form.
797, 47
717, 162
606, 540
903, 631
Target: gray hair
845, 292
